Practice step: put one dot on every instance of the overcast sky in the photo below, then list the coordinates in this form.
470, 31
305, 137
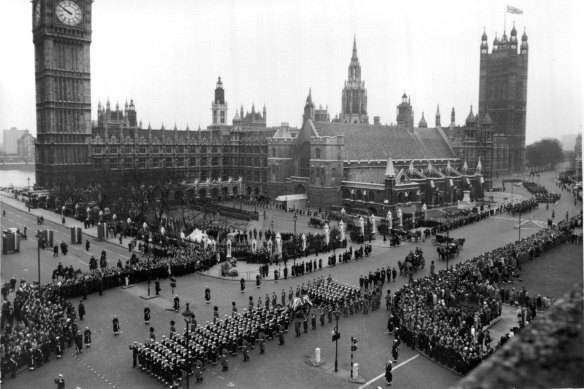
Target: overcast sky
167, 55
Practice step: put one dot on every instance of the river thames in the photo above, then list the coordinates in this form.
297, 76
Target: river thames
17, 177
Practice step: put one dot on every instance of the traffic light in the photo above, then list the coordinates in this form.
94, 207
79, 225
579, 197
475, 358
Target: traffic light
354, 344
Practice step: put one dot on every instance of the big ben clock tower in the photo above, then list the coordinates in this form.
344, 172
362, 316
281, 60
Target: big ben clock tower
61, 37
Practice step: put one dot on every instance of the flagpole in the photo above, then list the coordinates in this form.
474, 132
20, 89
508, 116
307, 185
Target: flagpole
505, 19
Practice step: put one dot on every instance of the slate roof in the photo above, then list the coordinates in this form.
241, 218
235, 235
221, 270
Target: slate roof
364, 142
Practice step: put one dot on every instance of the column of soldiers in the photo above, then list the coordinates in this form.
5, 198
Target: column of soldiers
211, 343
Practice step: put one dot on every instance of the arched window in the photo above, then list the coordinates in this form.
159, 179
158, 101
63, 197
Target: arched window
273, 152
346, 194
317, 153
371, 196
359, 195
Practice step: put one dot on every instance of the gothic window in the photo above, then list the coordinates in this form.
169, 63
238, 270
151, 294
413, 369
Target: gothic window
346, 194
359, 195
273, 152
305, 160
371, 196
317, 153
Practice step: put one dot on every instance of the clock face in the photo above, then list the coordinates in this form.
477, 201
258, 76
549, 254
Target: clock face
37, 13
69, 12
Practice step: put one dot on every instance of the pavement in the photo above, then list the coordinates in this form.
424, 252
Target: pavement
107, 364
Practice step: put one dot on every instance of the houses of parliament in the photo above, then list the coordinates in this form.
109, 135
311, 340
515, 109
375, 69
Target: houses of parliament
343, 161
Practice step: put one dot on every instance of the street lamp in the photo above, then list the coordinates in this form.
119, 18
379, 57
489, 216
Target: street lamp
295, 218
336, 336
188, 317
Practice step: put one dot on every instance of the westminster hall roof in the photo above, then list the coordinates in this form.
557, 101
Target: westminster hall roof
363, 141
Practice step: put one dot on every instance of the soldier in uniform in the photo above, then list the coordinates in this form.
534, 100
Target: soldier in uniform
81, 309
262, 339
87, 337
207, 295
242, 284
176, 303
224, 365
60, 381
281, 334
322, 317
134, 347
283, 297
244, 349
313, 321
388, 374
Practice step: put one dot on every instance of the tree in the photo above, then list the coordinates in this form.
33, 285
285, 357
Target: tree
545, 152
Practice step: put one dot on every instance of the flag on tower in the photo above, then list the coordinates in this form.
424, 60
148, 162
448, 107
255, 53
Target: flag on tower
513, 10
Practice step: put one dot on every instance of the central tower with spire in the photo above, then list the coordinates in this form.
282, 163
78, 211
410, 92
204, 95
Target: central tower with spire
354, 104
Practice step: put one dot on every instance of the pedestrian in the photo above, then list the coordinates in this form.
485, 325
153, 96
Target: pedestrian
393, 273
242, 284
157, 287
78, 342
146, 315
388, 374
56, 251
81, 309
233, 309
297, 328
87, 245
120, 238
60, 381
152, 336
283, 298
388, 300
116, 325
258, 281
313, 321
207, 295
321, 317
305, 323
87, 337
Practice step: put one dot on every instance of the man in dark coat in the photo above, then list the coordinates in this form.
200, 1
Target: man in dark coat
388, 374
81, 309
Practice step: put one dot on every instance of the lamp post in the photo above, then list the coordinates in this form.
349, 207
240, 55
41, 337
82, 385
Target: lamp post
295, 218
39, 241
188, 317
28, 179
272, 226
336, 336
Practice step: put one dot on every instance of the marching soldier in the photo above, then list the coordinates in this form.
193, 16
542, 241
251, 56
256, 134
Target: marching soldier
87, 337
262, 338
223, 360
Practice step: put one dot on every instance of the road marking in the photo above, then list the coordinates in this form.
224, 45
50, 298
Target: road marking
383, 374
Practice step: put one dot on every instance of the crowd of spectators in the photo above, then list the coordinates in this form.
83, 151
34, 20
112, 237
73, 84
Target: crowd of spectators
444, 314
34, 325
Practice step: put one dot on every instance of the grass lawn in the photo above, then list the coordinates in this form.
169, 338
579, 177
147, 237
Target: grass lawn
553, 273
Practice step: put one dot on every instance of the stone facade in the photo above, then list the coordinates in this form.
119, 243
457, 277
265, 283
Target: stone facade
63, 92
503, 92
371, 167
354, 98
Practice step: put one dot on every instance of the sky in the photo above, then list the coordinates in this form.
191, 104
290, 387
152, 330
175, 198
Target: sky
166, 55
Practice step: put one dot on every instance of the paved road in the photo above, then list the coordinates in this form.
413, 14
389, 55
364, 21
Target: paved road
108, 363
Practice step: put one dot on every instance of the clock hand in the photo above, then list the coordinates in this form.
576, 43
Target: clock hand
66, 10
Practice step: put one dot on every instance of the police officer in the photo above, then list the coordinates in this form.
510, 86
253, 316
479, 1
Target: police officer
388, 374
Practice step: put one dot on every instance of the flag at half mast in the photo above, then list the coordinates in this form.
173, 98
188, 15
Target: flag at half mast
513, 10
